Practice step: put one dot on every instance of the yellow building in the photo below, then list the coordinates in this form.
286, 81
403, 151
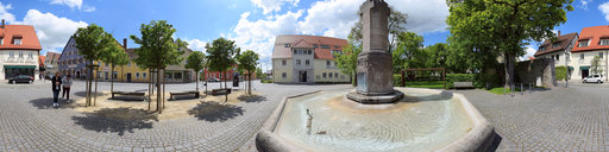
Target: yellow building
307, 59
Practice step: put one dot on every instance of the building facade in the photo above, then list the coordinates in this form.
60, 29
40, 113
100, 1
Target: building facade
19, 51
592, 42
307, 59
50, 63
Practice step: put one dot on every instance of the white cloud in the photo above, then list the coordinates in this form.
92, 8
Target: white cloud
605, 9
53, 32
196, 44
69, 3
4, 14
530, 52
78, 4
332, 18
584, 4
269, 6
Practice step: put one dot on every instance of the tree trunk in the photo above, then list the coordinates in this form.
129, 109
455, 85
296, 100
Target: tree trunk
354, 83
149, 88
249, 83
509, 70
95, 95
158, 91
225, 79
225, 87
164, 83
197, 81
90, 83
112, 79
206, 81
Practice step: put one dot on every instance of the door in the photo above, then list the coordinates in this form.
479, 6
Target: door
585, 73
303, 76
128, 77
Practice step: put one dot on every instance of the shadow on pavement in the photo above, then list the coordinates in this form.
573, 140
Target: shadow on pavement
116, 120
47, 103
444, 95
251, 98
84, 93
214, 111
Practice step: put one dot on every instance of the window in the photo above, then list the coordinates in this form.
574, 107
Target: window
283, 62
287, 45
168, 75
600, 54
20, 54
11, 54
330, 75
581, 56
323, 46
555, 45
30, 55
583, 43
295, 52
106, 64
137, 75
309, 52
323, 75
307, 62
129, 64
557, 57
144, 75
114, 74
328, 63
284, 75
315, 46
1, 40
17, 41
297, 62
336, 75
604, 41
178, 75
336, 46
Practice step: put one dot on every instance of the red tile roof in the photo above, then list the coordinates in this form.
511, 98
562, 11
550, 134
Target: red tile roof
564, 41
29, 40
594, 34
306, 41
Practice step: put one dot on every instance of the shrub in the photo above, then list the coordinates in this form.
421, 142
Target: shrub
397, 80
561, 73
266, 81
459, 77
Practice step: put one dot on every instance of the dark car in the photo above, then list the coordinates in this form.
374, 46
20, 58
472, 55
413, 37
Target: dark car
21, 79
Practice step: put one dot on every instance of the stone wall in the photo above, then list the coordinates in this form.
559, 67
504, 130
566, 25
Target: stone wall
539, 72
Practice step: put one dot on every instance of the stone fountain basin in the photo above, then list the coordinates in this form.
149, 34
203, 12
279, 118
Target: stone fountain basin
424, 120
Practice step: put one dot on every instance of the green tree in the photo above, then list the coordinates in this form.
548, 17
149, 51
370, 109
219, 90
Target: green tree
115, 56
347, 61
409, 52
221, 56
248, 61
505, 26
437, 55
196, 62
595, 65
91, 42
158, 49
260, 74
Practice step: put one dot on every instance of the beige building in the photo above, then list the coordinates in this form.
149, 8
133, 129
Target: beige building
307, 59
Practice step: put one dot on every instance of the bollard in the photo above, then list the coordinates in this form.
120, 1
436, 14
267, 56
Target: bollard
521, 89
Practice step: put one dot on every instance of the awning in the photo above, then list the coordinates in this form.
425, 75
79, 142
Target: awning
19, 66
584, 67
571, 68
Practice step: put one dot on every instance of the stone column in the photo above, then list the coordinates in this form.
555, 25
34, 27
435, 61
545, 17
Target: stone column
374, 64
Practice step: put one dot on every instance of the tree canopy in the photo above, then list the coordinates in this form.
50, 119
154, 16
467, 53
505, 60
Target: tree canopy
157, 45
221, 53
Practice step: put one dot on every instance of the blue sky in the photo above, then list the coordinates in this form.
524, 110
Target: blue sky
253, 24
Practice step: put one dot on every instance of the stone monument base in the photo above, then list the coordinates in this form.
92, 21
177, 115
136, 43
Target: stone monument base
375, 99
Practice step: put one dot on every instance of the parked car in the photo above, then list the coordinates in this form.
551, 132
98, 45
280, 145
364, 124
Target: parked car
594, 79
21, 79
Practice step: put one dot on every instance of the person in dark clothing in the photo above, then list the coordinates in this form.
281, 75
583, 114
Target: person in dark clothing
56, 81
67, 84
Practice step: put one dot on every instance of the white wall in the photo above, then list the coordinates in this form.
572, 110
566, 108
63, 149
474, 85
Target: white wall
16, 60
577, 62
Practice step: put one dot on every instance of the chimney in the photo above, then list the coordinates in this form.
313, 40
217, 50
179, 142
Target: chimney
125, 43
558, 32
2, 23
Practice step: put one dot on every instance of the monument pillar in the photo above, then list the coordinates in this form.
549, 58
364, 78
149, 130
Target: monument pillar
374, 64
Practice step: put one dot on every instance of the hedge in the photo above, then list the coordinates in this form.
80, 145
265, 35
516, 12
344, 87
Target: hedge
459, 77
561, 73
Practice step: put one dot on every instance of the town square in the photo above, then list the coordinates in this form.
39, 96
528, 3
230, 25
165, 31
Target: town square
300, 75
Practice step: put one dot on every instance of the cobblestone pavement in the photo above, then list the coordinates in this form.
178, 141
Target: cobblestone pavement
562, 119
27, 123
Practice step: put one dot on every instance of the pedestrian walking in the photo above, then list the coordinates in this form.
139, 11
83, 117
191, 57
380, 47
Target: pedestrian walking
56, 81
67, 83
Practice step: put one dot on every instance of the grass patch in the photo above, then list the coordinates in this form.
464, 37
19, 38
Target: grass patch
266, 81
425, 84
502, 91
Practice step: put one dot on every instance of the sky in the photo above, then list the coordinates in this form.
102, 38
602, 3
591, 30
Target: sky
253, 24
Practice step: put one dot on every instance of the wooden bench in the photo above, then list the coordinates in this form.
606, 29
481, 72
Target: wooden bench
458, 85
172, 94
136, 94
216, 92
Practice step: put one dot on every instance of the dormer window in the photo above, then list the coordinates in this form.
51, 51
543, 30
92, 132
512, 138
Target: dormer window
583, 43
604, 41
17, 40
1, 40
555, 45
287, 45
541, 48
